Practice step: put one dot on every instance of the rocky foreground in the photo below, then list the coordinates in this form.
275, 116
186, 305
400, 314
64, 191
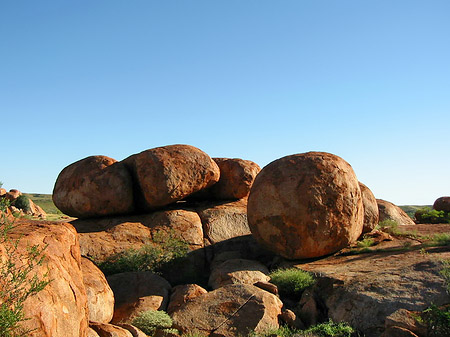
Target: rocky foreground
238, 224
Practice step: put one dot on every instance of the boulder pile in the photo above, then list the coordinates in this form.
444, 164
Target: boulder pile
239, 222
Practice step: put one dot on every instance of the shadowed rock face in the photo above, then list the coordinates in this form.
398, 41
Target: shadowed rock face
164, 175
371, 213
389, 211
306, 205
94, 186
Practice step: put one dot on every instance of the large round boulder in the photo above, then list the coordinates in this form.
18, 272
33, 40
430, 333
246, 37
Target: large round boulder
167, 174
442, 204
236, 178
370, 205
391, 212
306, 205
94, 186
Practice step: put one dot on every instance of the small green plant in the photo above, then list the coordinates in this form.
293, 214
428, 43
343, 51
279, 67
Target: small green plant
194, 334
23, 203
152, 320
441, 239
445, 273
330, 329
365, 243
282, 331
291, 282
17, 281
150, 257
437, 321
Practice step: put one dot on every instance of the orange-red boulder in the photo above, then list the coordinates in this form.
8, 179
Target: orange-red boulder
306, 205
389, 211
94, 186
236, 178
164, 175
371, 214
100, 296
442, 204
182, 294
232, 310
60, 309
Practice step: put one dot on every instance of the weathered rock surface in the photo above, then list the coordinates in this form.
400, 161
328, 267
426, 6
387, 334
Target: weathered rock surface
236, 178
229, 311
306, 205
100, 238
371, 213
109, 330
94, 186
238, 271
134, 331
164, 175
365, 289
442, 204
92, 333
36, 210
224, 221
135, 292
99, 294
182, 294
60, 309
404, 319
13, 194
2, 192
389, 211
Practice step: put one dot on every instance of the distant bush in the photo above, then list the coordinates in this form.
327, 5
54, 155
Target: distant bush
23, 203
152, 320
151, 257
428, 215
291, 282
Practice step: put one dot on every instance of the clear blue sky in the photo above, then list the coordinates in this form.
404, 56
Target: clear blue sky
366, 80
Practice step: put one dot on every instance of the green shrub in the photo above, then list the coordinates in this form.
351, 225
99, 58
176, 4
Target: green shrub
23, 203
330, 329
282, 331
428, 215
437, 321
291, 282
17, 282
445, 273
151, 257
150, 321
365, 243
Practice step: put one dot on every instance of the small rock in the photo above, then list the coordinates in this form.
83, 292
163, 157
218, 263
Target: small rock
182, 294
267, 286
238, 271
109, 330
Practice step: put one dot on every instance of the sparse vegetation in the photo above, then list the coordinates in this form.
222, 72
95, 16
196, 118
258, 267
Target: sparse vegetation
152, 320
327, 329
441, 239
365, 243
445, 272
437, 320
151, 257
291, 282
17, 280
330, 329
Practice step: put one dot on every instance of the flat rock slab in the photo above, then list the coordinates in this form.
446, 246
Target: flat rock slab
364, 289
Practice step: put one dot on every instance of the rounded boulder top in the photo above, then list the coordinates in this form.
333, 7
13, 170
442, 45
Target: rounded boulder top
442, 204
306, 205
